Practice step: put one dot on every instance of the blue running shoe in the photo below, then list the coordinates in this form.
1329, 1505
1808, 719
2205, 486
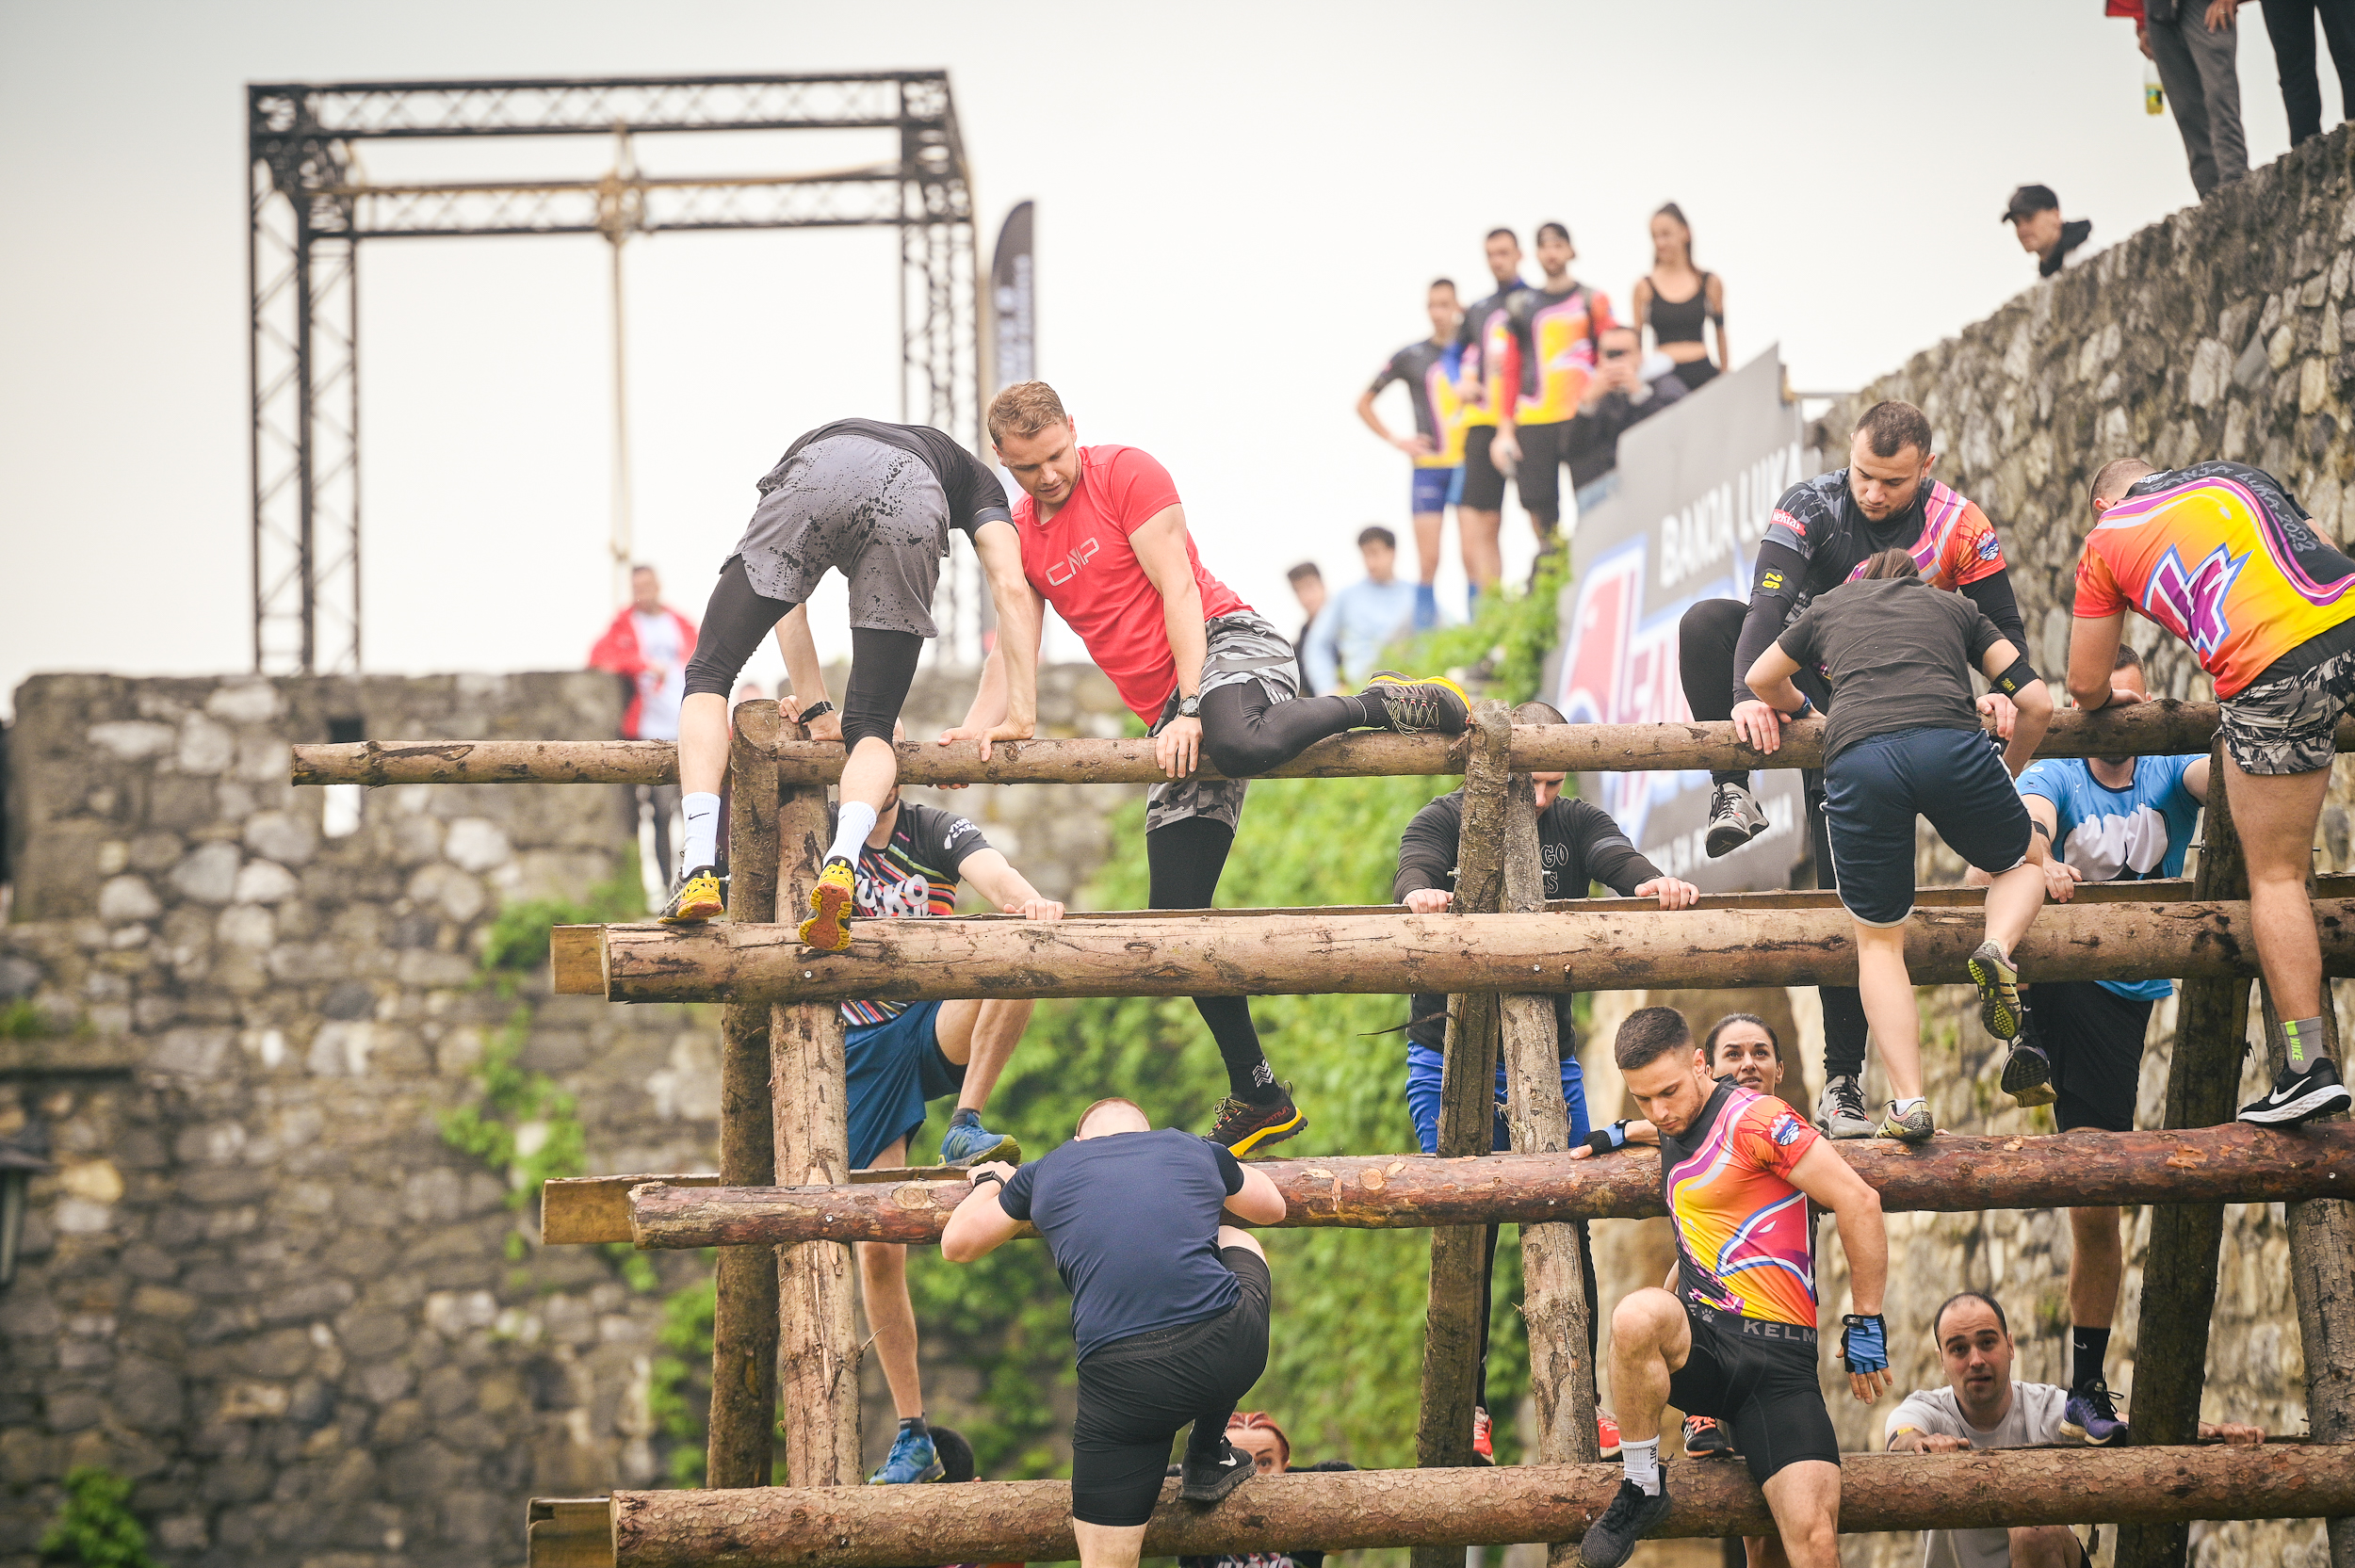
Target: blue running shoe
969, 1143
2092, 1415
912, 1460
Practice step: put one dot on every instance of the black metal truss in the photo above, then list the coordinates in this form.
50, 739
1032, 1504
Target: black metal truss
309, 213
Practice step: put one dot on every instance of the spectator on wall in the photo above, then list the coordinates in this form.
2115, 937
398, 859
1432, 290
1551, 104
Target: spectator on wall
1616, 398
648, 645
2034, 214
2290, 24
2194, 43
1676, 300
1309, 587
1343, 648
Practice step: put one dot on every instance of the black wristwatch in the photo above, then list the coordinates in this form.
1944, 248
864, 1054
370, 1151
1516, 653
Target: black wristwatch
981, 1177
818, 709
1190, 707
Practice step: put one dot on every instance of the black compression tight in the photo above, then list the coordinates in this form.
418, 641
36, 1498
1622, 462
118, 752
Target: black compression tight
883, 667
1185, 859
1246, 731
883, 664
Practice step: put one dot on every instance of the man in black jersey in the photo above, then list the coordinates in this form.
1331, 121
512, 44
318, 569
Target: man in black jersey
1169, 1306
1427, 369
1823, 531
1481, 512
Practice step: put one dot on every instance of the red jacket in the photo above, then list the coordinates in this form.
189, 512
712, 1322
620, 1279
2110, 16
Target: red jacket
617, 651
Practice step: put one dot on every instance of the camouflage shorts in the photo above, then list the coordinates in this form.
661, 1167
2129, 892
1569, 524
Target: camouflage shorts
1242, 647
2289, 725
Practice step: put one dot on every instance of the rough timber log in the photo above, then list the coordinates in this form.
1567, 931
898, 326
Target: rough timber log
741, 1449
874, 1527
2232, 1163
1459, 1253
1164, 955
2146, 729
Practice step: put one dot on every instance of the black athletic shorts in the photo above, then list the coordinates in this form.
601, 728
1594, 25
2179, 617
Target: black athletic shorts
1538, 477
2094, 1038
1138, 1392
1759, 1378
1484, 482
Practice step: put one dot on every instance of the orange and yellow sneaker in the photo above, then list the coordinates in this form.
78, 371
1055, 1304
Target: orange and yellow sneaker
828, 927
699, 897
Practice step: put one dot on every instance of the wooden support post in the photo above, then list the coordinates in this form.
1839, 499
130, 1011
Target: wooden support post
744, 1312
2322, 1276
1553, 1267
1452, 1325
817, 1339
2179, 1267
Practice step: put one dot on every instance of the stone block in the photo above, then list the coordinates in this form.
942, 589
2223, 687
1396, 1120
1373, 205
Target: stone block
312, 1299
207, 874
147, 1394
73, 1410
285, 837
446, 887
278, 1354
29, 1457
132, 740
127, 898
204, 745
264, 881
247, 925
238, 1480
475, 843
244, 702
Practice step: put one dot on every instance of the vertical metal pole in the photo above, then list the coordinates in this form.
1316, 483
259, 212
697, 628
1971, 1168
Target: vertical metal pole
351, 363
621, 542
253, 381
306, 498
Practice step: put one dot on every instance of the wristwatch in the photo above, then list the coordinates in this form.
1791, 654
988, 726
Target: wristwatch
980, 1176
1190, 707
817, 710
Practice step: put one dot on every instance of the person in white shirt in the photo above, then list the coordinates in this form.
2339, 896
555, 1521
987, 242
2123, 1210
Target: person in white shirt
1981, 1407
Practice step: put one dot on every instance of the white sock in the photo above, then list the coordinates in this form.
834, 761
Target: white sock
852, 827
1901, 1106
1643, 1463
700, 845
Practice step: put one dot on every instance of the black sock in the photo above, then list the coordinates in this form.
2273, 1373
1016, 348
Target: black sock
2086, 1347
1371, 715
915, 1424
1208, 1438
966, 1117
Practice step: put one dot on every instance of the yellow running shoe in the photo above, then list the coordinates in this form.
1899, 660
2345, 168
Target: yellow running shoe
1432, 702
828, 927
697, 898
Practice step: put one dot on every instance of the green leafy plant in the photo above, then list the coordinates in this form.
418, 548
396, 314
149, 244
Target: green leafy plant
492, 1129
97, 1528
678, 1393
1515, 628
517, 939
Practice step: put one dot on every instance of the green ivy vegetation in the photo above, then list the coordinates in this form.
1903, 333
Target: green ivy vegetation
96, 1528
678, 1393
1515, 629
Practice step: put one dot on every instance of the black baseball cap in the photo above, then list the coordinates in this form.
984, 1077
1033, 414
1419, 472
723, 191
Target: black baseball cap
2028, 201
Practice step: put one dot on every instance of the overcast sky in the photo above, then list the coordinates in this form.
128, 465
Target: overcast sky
1239, 207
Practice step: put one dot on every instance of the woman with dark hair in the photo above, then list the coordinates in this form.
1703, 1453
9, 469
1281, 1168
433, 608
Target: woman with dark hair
1676, 300
1255, 1432
1903, 739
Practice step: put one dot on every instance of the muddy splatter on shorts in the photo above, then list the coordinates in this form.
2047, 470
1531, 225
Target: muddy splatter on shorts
871, 512
1241, 646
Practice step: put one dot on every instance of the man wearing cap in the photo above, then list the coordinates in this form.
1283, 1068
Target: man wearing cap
2034, 214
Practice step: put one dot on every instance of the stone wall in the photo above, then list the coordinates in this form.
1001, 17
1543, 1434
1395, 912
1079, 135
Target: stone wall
260, 1283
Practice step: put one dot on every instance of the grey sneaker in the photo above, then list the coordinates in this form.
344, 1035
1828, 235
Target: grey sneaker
1913, 1125
1998, 981
1840, 1110
1735, 818
2028, 1075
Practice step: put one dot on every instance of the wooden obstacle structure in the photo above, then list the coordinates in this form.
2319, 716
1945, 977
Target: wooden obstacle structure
784, 1207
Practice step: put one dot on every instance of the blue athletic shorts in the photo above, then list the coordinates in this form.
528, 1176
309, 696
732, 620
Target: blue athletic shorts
1422, 1097
893, 1068
1435, 489
1873, 791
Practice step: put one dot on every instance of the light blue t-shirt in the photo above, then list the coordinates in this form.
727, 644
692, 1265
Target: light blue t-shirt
1349, 634
2120, 835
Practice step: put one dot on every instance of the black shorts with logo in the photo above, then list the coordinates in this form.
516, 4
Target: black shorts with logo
1759, 1378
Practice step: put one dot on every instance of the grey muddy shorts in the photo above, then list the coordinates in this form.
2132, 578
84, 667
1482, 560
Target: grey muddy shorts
868, 511
1242, 647
2289, 725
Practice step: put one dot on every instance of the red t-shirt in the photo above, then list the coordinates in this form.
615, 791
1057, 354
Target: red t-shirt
1080, 561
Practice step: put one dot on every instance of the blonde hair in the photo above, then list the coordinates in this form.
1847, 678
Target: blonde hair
1024, 408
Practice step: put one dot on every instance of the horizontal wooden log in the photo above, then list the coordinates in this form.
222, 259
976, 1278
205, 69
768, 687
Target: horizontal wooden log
596, 1208
2146, 729
874, 1527
2232, 1163
1166, 954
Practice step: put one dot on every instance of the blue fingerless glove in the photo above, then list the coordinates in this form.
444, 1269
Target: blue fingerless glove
1604, 1139
1864, 1343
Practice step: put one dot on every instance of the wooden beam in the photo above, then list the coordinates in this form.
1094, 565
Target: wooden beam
591, 1210
741, 1448
575, 960
817, 1339
2159, 728
874, 1527
2179, 1271
1452, 1325
1554, 1264
1183, 955
2232, 1163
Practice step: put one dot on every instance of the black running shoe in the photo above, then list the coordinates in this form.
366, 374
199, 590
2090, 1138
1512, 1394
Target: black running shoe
2028, 1075
1705, 1437
1411, 706
2299, 1097
1611, 1540
1206, 1480
1246, 1126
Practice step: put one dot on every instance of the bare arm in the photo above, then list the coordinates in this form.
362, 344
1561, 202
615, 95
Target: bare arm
2092, 654
1717, 310
2035, 702
995, 879
1012, 668
1160, 550
1416, 446
980, 1225
2196, 779
1770, 678
802, 671
1834, 1184
1258, 1202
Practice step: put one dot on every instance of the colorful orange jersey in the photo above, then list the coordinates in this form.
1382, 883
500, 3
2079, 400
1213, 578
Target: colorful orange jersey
1746, 1242
1553, 343
2220, 555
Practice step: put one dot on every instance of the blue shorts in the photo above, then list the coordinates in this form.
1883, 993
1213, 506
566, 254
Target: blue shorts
1873, 791
892, 1068
1423, 1098
1435, 489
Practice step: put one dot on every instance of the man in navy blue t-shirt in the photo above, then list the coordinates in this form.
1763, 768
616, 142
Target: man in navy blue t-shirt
1169, 1306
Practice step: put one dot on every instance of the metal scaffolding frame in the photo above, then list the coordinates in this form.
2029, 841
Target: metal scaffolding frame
309, 208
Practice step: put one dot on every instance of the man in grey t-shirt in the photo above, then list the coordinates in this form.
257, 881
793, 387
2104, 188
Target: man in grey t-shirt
1981, 1407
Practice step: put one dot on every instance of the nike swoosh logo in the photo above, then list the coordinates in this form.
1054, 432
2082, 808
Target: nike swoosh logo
1228, 1463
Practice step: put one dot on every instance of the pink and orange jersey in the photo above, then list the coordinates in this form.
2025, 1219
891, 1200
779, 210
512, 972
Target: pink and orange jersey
1746, 1242
1958, 543
2223, 556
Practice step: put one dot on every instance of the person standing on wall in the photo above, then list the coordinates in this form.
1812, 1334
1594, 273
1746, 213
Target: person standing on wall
648, 645
2194, 43
1543, 342
1480, 515
2290, 24
1104, 540
1675, 299
1427, 369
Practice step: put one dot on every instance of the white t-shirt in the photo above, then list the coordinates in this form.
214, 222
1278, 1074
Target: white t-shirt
2034, 1416
659, 644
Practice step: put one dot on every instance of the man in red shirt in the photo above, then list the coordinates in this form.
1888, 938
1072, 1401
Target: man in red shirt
1104, 541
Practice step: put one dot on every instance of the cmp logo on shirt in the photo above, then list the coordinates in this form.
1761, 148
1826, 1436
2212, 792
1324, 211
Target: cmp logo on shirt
1069, 566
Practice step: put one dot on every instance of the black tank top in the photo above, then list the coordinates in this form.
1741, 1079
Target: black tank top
1679, 320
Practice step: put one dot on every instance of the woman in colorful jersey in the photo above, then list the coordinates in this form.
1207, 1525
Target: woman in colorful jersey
1903, 739
2222, 556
